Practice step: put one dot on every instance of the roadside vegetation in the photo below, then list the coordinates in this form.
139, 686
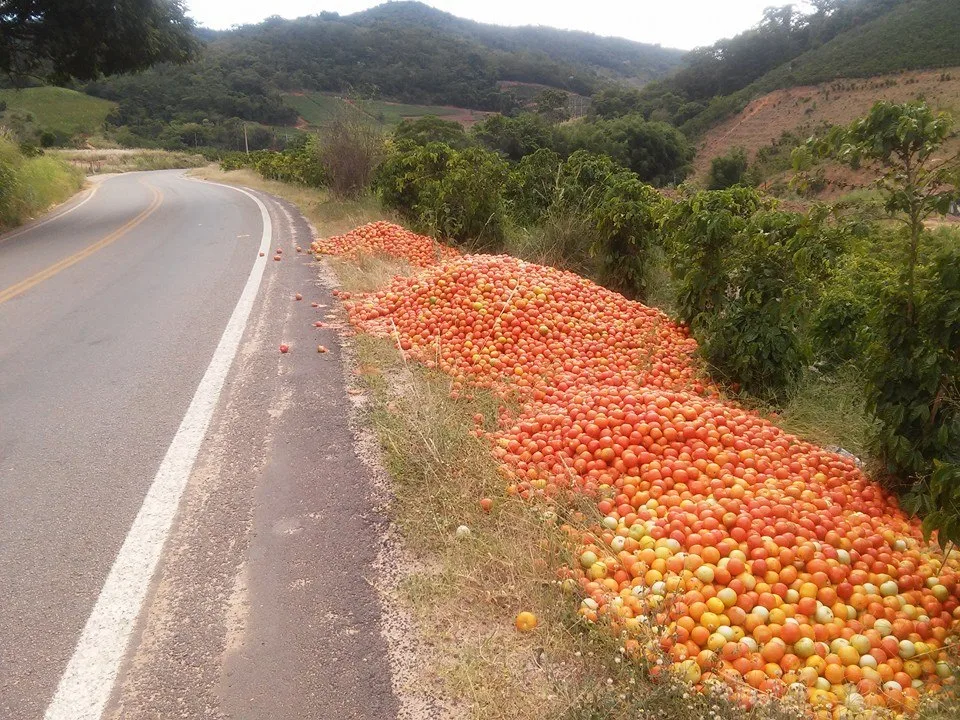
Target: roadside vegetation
31, 182
117, 160
835, 326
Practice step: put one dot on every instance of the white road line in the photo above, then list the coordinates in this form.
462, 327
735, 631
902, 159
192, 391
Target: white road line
88, 680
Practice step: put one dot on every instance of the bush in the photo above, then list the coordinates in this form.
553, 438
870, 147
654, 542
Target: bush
728, 170
623, 212
31, 184
428, 129
349, 153
454, 193
531, 186
747, 275
516, 137
700, 231
912, 365
655, 151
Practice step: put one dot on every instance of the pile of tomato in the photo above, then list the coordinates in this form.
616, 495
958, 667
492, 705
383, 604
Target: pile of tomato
384, 238
766, 562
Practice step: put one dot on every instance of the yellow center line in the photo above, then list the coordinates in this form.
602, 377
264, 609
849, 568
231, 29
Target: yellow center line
47, 273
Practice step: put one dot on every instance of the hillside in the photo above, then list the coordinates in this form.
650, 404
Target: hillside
57, 111
403, 52
319, 109
841, 39
776, 121
615, 57
919, 34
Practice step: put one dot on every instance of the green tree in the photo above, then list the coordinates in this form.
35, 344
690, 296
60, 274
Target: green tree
552, 105
909, 348
745, 274
515, 137
532, 185
454, 193
727, 170
903, 144
616, 100
430, 128
83, 39
657, 152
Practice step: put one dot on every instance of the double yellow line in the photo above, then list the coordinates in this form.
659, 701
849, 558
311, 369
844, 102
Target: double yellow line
47, 273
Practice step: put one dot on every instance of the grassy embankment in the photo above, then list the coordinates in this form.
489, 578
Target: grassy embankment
31, 185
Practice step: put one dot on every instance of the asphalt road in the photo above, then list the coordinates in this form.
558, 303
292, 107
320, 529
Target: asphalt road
110, 312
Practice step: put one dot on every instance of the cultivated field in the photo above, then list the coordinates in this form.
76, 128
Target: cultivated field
805, 109
318, 109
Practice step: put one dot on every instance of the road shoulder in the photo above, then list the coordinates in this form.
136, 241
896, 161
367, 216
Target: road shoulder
264, 605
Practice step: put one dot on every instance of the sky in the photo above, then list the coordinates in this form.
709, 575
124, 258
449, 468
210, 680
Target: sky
683, 24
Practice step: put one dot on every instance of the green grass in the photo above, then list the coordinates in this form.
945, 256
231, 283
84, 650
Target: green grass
30, 185
319, 109
56, 109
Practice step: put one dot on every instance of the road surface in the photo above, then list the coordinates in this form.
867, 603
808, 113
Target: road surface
184, 528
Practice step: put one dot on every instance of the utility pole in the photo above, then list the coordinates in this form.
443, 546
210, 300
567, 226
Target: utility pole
246, 144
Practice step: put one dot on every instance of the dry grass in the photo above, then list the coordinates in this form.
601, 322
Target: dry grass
118, 160
331, 216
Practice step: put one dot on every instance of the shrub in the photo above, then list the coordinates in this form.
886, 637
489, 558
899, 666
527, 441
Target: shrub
912, 367
699, 232
349, 153
624, 215
531, 186
655, 151
516, 137
456, 194
428, 129
746, 275
728, 170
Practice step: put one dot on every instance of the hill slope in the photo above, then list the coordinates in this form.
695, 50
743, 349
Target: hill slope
775, 122
843, 38
616, 57
919, 34
404, 52
60, 111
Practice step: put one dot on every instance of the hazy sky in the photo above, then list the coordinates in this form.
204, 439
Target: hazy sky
673, 23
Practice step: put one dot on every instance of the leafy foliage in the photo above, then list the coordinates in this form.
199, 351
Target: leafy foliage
909, 345
454, 193
431, 128
912, 367
903, 142
745, 273
300, 163
532, 184
728, 170
516, 137
89, 38
622, 213
699, 231
655, 151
